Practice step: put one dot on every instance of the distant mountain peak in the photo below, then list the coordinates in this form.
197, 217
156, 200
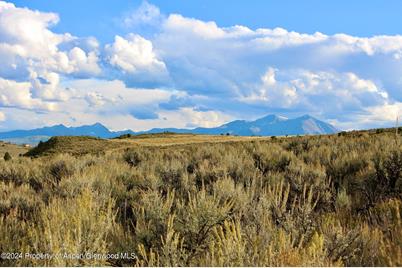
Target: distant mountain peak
272, 118
306, 116
58, 126
270, 125
97, 124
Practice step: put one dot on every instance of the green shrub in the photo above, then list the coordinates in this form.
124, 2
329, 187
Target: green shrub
7, 156
59, 170
133, 158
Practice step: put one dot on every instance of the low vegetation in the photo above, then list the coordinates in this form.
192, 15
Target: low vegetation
74, 145
298, 201
12, 150
81, 145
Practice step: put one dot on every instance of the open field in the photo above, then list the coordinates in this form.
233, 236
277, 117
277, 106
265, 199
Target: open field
12, 149
186, 200
90, 145
182, 139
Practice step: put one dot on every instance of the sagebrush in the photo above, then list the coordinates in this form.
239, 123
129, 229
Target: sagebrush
301, 201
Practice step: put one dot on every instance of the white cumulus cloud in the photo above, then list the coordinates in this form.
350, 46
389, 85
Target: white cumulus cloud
18, 94
33, 61
136, 60
146, 13
134, 54
331, 94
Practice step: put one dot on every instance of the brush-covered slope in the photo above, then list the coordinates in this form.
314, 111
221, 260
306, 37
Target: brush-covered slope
74, 145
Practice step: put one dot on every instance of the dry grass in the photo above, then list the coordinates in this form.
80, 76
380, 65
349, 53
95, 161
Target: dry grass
90, 145
76, 145
184, 200
13, 149
182, 139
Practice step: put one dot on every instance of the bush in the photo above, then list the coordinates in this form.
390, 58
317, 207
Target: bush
81, 225
133, 158
60, 170
7, 156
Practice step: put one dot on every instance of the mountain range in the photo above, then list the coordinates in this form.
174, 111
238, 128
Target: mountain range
271, 125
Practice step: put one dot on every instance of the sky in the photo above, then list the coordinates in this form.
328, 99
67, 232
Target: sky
144, 64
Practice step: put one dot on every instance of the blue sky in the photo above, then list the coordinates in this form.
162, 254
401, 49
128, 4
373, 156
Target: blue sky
359, 17
138, 65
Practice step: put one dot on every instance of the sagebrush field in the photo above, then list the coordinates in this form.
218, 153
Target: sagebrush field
297, 201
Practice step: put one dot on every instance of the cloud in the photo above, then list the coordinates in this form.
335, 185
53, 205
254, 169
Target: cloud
144, 114
84, 63
27, 42
134, 54
329, 75
135, 57
205, 58
117, 92
383, 113
114, 97
187, 26
2, 117
96, 99
45, 86
188, 117
329, 94
17, 94
33, 61
118, 107
288, 88
145, 14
